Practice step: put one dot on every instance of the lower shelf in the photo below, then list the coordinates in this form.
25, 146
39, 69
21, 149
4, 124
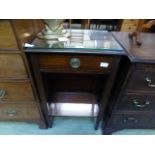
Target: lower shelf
73, 104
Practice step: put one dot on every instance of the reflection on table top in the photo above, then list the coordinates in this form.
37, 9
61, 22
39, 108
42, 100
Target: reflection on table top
80, 39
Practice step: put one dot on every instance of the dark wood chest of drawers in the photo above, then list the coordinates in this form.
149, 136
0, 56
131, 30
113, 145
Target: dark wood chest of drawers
134, 105
133, 100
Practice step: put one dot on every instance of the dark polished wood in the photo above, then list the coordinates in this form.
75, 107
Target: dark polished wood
61, 63
50, 69
108, 87
137, 105
139, 80
73, 104
132, 121
91, 83
139, 54
134, 102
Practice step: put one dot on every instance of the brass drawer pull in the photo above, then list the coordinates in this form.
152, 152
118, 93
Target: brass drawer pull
130, 119
75, 63
11, 112
2, 93
149, 82
137, 104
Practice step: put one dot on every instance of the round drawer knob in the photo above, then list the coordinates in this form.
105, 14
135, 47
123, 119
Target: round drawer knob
75, 62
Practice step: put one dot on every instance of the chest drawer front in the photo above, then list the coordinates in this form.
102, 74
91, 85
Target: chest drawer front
141, 80
136, 103
133, 121
16, 91
12, 66
75, 63
18, 112
7, 37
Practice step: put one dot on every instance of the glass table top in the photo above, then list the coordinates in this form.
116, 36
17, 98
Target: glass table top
79, 39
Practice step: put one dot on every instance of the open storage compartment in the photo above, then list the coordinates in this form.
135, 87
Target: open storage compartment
72, 94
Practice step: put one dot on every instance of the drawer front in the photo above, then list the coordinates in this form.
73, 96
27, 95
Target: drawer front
16, 91
133, 121
141, 80
12, 66
7, 37
75, 63
18, 112
136, 103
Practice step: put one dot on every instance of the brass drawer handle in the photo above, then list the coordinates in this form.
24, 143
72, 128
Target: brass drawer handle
2, 93
130, 119
149, 82
137, 104
75, 63
11, 112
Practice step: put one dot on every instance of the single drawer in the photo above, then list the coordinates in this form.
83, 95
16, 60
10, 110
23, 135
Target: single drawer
75, 63
16, 91
18, 112
12, 66
7, 37
136, 103
132, 121
141, 80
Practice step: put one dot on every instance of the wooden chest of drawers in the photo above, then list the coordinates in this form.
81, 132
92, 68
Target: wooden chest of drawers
17, 100
12, 66
7, 37
134, 106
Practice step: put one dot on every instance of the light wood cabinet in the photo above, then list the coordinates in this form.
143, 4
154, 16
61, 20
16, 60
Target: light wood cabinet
12, 67
7, 38
17, 100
